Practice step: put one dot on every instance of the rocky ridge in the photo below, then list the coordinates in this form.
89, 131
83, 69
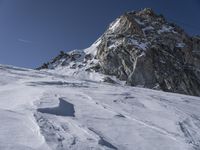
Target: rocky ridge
143, 49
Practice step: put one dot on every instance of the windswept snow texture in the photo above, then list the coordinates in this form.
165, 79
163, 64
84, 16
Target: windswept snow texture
42, 110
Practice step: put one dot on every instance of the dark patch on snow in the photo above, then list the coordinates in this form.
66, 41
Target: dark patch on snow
160, 98
129, 97
102, 140
120, 115
186, 101
106, 143
185, 131
109, 80
124, 94
59, 83
74, 141
63, 109
188, 135
50, 131
189, 100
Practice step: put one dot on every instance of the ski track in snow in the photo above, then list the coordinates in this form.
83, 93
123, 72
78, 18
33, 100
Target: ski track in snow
41, 110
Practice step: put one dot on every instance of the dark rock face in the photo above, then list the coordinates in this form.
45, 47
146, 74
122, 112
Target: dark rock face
69, 59
143, 49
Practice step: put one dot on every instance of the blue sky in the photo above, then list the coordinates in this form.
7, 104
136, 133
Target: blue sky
34, 31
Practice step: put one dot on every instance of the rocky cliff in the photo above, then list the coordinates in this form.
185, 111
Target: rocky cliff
143, 49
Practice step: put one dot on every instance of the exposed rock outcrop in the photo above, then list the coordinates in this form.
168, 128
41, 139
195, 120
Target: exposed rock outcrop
143, 49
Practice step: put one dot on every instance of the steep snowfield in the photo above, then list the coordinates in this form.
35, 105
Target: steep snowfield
46, 110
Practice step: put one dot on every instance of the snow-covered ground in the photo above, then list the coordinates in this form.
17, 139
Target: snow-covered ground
49, 111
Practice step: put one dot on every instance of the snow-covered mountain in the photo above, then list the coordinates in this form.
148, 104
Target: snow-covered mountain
142, 49
42, 110
82, 100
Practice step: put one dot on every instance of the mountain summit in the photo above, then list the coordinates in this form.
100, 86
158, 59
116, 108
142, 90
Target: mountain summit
142, 49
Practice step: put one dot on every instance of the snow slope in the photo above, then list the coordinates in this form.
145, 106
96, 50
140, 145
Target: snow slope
46, 110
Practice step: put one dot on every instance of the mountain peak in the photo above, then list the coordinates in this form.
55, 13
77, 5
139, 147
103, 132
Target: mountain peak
142, 49
125, 24
146, 12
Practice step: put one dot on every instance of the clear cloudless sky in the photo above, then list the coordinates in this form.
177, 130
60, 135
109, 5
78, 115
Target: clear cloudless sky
34, 31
